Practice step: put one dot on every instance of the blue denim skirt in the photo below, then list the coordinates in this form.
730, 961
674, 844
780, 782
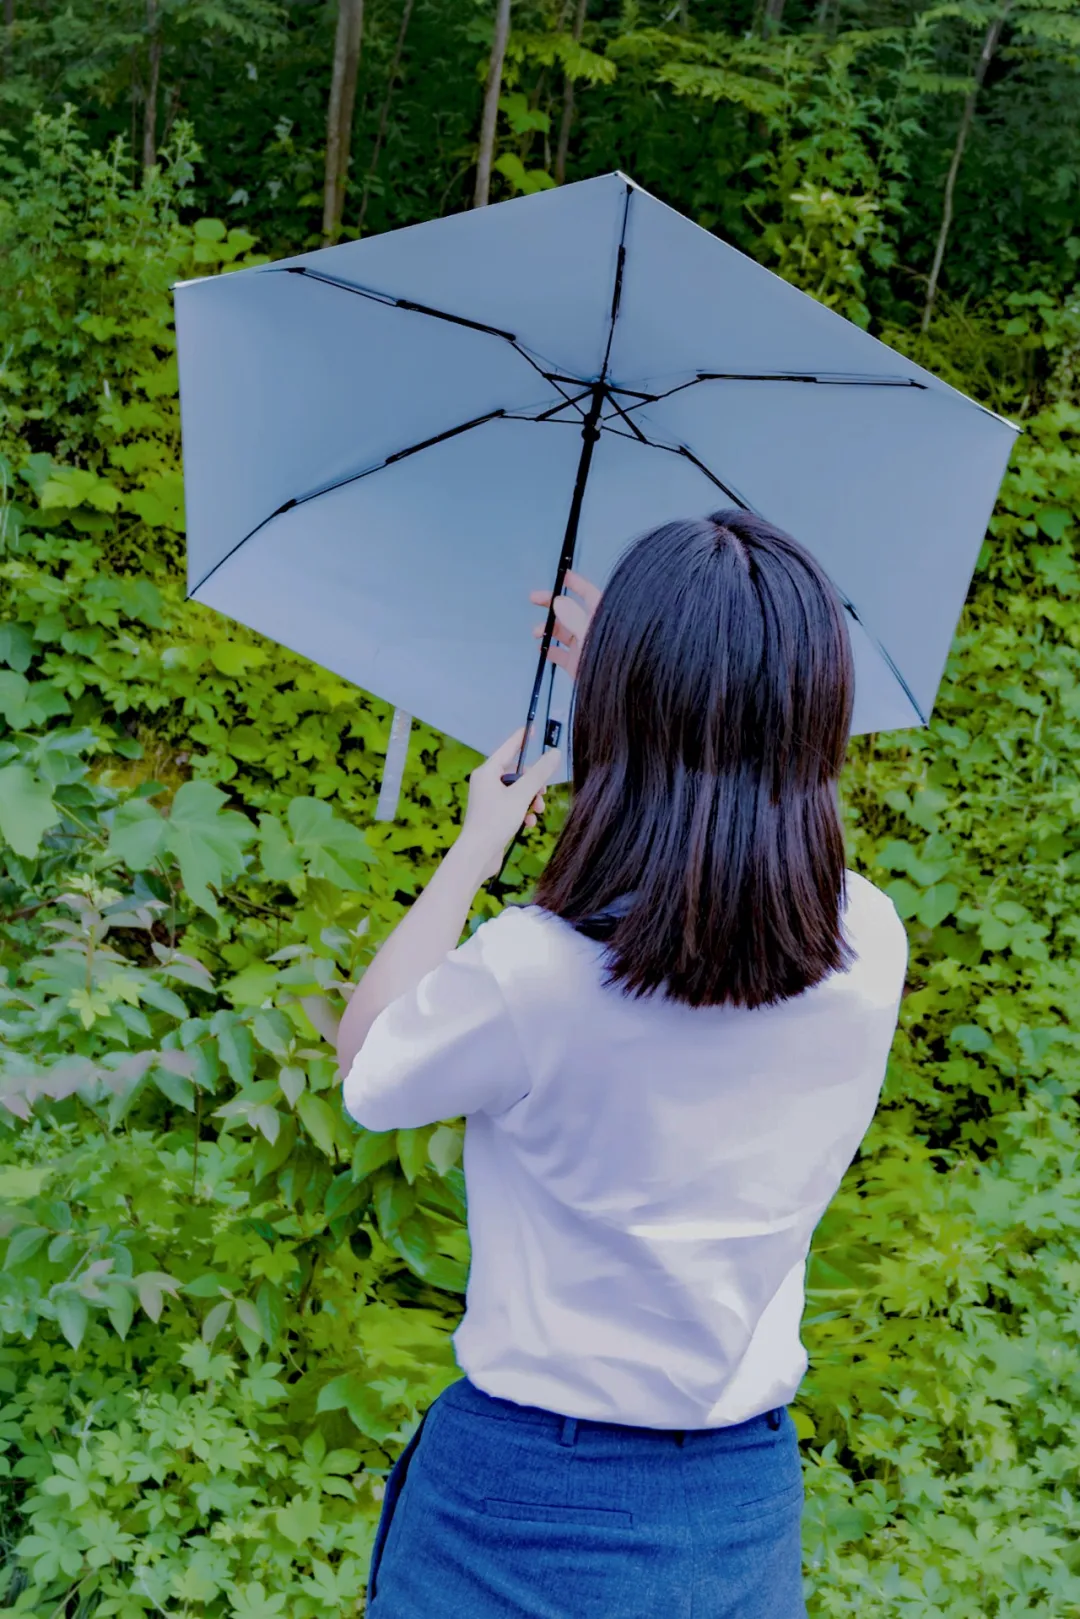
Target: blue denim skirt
502, 1511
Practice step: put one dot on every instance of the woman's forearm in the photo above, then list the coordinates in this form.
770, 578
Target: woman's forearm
429, 930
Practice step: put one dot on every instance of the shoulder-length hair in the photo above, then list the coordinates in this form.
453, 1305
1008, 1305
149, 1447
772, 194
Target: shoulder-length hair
709, 726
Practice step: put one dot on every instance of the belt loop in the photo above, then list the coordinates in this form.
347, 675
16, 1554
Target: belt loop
680, 1437
569, 1431
775, 1418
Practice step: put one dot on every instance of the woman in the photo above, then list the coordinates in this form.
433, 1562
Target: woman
667, 1062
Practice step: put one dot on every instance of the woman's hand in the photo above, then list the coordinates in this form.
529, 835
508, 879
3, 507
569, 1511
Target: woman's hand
495, 812
571, 620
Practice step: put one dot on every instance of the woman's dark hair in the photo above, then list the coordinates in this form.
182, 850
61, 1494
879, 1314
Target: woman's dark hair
710, 722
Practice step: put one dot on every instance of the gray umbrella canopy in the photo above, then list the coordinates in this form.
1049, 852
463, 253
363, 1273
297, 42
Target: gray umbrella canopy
389, 443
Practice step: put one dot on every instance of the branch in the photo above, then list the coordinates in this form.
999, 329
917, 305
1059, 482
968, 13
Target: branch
384, 114
989, 45
339, 117
491, 104
568, 103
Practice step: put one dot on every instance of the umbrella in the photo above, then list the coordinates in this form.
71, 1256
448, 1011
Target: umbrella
389, 443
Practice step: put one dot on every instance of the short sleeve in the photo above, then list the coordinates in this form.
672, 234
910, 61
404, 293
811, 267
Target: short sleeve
446, 1048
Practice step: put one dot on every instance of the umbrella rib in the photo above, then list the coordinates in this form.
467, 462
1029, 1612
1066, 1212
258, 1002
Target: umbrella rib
822, 379
340, 483
417, 309
849, 606
616, 291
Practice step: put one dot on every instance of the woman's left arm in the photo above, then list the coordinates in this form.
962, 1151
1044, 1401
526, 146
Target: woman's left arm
433, 925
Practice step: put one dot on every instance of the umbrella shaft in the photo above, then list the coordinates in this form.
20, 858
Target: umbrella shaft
590, 432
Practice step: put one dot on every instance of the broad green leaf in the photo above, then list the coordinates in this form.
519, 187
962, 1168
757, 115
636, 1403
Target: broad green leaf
249, 1315
292, 1082
279, 856
24, 1245
151, 1287
332, 848
236, 658
235, 1046
300, 1521
270, 1303
72, 1314
445, 1147
215, 1320
16, 646
26, 704
138, 834
273, 1031
319, 1120
412, 1151
937, 903
394, 1201
374, 1149
351, 1393
207, 840
27, 810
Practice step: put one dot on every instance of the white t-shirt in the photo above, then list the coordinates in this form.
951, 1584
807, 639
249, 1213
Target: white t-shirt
643, 1177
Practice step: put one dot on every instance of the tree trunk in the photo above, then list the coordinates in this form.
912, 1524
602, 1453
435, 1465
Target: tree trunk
565, 126
491, 104
772, 17
9, 24
989, 46
384, 114
150, 111
339, 118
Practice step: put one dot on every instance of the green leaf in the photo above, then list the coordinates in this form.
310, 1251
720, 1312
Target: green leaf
374, 1149
292, 1082
394, 1201
121, 1310
319, 1120
247, 1313
332, 848
236, 1048
937, 903
72, 1314
350, 1393
280, 859
1054, 521
138, 833
27, 810
235, 658
300, 1521
270, 1303
151, 1287
215, 1320
445, 1147
905, 896
27, 704
16, 646
207, 840
24, 1245
273, 1031
412, 1151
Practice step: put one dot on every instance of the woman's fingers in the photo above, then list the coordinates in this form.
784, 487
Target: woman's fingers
581, 586
584, 588
570, 617
506, 754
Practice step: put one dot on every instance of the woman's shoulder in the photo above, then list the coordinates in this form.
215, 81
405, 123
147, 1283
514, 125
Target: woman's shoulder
873, 928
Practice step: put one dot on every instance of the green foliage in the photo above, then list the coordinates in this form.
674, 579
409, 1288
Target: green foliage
222, 1305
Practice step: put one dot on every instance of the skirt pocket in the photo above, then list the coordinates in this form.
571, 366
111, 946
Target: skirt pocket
536, 1512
